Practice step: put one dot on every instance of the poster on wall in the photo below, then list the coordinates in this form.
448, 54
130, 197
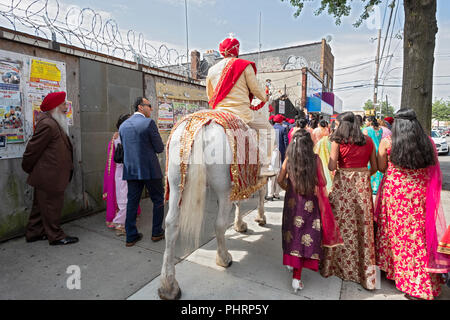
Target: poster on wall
69, 113
179, 111
281, 107
24, 82
191, 108
165, 116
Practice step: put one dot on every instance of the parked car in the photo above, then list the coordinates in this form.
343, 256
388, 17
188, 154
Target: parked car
440, 142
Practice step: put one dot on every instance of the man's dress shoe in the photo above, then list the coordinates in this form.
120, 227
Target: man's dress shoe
66, 240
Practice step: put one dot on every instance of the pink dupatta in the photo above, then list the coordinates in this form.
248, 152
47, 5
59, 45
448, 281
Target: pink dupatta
109, 184
331, 235
435, 220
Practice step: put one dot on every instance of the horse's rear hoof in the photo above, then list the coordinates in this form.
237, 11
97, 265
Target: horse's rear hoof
169, 296
229, 264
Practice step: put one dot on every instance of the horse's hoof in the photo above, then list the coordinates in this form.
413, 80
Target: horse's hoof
169, 295
241, 228
261, 222
223, 263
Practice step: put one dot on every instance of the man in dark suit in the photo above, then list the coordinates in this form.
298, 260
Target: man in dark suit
282, 135
48, 159
141, 142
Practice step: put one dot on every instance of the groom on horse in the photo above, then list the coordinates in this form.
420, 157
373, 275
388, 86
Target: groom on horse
231, 85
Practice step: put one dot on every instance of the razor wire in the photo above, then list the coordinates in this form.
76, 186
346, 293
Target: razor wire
87, 29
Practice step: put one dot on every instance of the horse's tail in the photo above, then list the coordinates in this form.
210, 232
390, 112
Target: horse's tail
192, 208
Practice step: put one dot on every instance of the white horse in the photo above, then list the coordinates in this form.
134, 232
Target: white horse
189, 216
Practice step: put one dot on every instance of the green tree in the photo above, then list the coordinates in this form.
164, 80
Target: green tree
419, 42
386, 110
441, 110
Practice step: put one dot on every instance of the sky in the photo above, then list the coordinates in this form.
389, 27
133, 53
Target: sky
210, 21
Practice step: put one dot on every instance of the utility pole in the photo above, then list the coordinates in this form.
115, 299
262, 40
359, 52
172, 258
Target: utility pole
259, 41
187, 37
377, 63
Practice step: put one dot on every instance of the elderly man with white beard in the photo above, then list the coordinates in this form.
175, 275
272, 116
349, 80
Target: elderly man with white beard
48, 159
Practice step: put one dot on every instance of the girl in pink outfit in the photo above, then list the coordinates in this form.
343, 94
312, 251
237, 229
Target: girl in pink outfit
114, 188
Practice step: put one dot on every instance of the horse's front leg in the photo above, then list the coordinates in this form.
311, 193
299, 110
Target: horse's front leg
239, 224
261, 219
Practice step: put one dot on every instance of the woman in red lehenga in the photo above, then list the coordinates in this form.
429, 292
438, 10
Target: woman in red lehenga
408, 213
352, 204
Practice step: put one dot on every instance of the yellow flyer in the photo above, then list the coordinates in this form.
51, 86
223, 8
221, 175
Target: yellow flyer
47, 72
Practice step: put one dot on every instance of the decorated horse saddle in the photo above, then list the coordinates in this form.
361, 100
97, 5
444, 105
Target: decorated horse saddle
245, 164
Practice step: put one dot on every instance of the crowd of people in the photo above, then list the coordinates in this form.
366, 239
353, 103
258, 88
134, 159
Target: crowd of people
332, 221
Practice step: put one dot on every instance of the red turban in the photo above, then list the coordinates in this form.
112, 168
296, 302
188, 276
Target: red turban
278, 118
271, 117
52, 100
291, 121
229, 47
390, 120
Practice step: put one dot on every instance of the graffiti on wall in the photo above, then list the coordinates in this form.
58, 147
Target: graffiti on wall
299, 62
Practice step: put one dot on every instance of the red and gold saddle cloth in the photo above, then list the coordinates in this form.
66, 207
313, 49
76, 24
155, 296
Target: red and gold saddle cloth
244, 170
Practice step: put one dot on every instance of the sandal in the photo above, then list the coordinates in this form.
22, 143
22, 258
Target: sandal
120, 231
110, 225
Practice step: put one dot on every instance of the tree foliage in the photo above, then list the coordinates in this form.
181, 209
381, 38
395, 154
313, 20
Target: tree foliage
387, 110
441, 110
337, 9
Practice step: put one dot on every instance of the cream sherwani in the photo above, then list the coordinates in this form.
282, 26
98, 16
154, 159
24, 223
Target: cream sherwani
237, 101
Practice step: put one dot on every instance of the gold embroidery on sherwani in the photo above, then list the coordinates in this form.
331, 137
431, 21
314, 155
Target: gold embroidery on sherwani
316, 224
307, 240
315, 256
298, 221
309, 206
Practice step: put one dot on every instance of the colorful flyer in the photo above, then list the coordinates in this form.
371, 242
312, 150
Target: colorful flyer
45, 72
179, 111
165, 116
69, 113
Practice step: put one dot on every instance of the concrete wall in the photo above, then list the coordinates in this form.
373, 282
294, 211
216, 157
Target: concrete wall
17, 196
106, 92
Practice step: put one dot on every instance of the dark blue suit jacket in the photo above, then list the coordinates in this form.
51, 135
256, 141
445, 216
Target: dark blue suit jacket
141, 142
282, 139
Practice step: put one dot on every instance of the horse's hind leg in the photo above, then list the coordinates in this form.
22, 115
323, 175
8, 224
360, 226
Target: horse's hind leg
170, 289
219, 180
223, 257
239, 224
261, 219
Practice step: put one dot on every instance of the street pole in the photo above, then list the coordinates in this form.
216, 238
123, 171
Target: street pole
187, 37
259, 41
377, 63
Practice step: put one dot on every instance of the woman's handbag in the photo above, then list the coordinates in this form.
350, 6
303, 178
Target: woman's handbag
118, 154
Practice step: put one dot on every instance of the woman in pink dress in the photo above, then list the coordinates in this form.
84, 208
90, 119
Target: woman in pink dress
320, 132
409, 218
114, 188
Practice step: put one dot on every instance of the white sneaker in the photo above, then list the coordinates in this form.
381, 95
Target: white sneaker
297, 284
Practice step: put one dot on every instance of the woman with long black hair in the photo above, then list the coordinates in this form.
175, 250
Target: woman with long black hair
351, 201
408, 213
308, 221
